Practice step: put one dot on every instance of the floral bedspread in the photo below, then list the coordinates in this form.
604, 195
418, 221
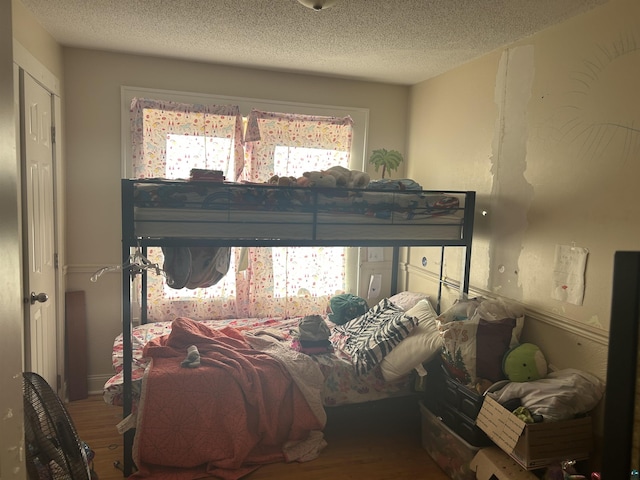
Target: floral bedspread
342, 385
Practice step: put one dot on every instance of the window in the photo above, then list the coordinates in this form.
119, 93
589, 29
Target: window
170, 138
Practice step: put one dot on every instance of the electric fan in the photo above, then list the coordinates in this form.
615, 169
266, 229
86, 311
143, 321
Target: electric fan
53, 449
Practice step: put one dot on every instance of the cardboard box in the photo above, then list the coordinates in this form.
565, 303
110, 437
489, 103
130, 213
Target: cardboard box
492, 463
535, 445
447, 449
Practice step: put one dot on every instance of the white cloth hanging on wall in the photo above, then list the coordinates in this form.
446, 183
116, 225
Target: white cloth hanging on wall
568, 274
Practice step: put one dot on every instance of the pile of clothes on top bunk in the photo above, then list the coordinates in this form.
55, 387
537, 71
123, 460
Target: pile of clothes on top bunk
394, 184
206, 175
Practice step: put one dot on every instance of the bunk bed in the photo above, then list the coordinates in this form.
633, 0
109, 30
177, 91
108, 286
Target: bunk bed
174, 213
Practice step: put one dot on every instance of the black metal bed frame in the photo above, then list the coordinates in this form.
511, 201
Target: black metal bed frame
131, 240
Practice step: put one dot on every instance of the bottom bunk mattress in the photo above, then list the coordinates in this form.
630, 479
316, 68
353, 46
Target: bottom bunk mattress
342, 384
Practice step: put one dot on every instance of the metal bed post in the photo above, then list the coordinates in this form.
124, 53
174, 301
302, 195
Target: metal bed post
467, 232
467, 236
395, 262
127, 347
441, 280
143, 292
127, 358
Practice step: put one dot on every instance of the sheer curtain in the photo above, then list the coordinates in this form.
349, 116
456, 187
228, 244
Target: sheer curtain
171, 138
292, 281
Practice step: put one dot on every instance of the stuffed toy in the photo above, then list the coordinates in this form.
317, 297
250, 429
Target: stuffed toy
283, 181
317, 179
349, 178
524, 363
341, 174
359, 179
335, 176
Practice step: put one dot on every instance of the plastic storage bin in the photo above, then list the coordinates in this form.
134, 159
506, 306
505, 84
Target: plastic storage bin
451, 452
457, 405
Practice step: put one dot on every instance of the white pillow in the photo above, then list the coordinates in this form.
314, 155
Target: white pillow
423, 344
407, 300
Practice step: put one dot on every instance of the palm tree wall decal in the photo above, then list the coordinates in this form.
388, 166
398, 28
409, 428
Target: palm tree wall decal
389, 160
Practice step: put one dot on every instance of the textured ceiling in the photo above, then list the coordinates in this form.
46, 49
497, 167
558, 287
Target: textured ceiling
391, 41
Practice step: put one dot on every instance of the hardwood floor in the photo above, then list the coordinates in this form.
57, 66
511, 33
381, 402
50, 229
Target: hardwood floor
96, 423
376, 441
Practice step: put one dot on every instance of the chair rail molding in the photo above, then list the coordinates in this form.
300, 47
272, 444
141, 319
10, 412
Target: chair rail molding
547, 317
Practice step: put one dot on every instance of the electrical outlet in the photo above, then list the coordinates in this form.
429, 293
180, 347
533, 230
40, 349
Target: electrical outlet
375, 254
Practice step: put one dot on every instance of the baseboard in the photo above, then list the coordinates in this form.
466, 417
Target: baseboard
96, 384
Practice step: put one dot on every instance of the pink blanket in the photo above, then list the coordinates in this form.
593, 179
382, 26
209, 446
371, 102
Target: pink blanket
225, 418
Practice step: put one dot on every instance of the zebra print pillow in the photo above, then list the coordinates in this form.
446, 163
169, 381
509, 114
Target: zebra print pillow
369, 338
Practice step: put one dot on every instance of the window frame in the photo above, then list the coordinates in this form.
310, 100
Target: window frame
359, 115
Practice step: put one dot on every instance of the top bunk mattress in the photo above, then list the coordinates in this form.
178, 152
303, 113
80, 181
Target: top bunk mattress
157, 209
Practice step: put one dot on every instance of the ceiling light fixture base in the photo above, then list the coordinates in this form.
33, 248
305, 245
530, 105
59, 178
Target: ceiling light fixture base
317, 5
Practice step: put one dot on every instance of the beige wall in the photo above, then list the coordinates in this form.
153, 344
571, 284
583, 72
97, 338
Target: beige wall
11, 461
546, 132
15, 24
36, 40
93, 80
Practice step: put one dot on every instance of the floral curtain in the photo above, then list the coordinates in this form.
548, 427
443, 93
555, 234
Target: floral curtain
294, 281
290, 144
171, 138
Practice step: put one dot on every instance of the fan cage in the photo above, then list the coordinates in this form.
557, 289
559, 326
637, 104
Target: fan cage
53, 449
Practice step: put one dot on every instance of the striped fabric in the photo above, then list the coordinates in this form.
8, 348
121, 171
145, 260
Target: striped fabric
369, 338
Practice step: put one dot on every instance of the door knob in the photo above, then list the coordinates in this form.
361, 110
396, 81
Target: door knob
38, 297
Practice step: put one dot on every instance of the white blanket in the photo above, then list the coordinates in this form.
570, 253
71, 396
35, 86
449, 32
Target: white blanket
561, 395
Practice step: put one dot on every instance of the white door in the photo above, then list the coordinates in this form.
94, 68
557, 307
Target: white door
38, 226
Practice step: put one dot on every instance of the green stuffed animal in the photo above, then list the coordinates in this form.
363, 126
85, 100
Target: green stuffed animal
524, 363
